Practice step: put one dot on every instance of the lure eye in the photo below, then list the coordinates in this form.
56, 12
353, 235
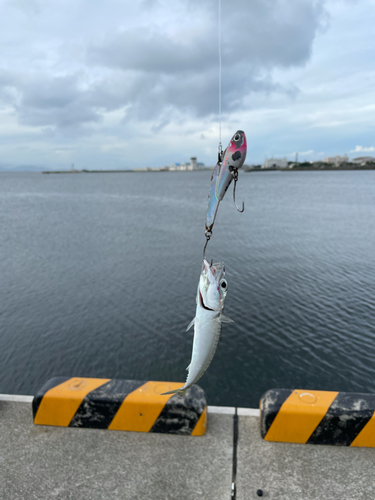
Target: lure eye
237, 137
223, 285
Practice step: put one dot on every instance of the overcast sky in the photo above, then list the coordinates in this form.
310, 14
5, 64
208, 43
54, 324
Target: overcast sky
127, 84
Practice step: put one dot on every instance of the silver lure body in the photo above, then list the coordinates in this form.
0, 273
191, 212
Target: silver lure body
211, 293
223, 174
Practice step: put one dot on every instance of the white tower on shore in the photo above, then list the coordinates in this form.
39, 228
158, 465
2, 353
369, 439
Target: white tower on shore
193, 163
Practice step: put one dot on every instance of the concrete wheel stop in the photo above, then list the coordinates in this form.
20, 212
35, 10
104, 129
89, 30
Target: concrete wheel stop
127, 405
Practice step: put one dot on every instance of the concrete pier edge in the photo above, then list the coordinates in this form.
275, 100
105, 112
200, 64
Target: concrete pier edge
223, 410
16, 398
230, 461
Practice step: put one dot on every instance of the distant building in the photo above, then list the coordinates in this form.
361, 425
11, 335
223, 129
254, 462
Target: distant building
275, 163
193, 165
178, 166
337, 160
362, 160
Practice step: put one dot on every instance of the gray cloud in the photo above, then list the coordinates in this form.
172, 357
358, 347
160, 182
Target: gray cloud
151, 52
277, 32
160, 75
7, 89
264, 33
45, 101
182, 72
61, 102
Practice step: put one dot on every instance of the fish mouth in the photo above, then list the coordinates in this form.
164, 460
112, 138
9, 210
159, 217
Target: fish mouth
215, 271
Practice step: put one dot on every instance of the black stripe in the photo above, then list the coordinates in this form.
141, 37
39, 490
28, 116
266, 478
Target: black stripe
181, 413
203, 304
271, 402
53, 382
234, 463
99, 407
344, 420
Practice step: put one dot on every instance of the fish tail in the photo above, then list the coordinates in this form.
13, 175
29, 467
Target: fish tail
176, 391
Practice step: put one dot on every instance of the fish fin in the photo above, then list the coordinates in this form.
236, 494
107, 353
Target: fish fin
190, 324
225, 319
179, 391
188, 367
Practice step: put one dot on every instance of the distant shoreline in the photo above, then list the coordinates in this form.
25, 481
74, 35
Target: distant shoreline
85, 171
141, 170
319, 168
248, 170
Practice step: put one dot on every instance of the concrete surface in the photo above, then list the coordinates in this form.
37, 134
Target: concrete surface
40, 462
300, 471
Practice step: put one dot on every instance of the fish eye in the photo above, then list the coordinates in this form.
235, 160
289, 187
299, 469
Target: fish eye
223, 284
237, 137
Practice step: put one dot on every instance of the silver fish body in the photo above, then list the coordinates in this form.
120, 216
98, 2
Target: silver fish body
211, 293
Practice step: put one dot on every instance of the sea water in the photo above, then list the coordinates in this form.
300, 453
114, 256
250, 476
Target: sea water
98, 278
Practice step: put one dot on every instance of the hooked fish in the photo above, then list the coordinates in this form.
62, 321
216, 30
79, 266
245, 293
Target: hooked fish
211, 293
232, 159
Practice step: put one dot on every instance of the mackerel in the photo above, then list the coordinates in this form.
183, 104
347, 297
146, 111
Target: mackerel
211, 293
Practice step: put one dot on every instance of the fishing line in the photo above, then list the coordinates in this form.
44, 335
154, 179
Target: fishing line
219, 29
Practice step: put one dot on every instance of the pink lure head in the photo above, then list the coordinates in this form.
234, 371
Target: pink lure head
235, 153
234, 157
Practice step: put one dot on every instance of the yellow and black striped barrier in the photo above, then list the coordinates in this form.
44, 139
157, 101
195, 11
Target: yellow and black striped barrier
318, 417
126, 405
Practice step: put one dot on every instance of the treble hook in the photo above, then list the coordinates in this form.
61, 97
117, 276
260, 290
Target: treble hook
208, 235
235, 177
220, 154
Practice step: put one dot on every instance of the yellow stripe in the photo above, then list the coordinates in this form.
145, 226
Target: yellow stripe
367, 435
60, 403
200, 427
140, 409
299, 416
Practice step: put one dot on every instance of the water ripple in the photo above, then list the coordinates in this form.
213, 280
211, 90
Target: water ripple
99, 276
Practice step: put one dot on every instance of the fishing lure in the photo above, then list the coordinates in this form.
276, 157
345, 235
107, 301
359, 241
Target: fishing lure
211, 293
212, 287
226, 170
